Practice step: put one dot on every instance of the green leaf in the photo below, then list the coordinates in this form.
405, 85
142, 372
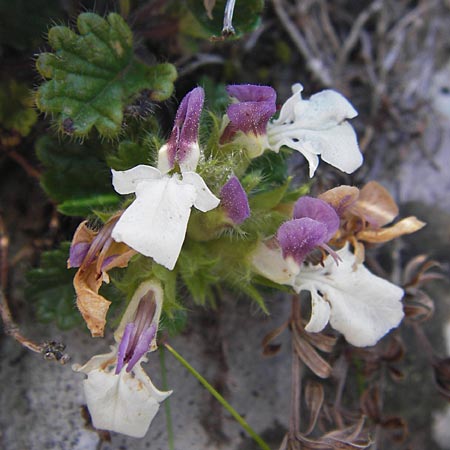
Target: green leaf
196, 266
16, 107
246, 16
94, 75
76, 176
269, 199
51, 291
85, 206
273, 168
142, 269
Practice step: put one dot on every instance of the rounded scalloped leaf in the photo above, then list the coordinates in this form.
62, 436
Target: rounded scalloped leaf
92, 76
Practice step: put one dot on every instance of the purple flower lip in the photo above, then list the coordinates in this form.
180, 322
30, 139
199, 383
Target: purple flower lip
255, 106
319, 210
298, 237
185, 130
315, 222
138, 334
234, 201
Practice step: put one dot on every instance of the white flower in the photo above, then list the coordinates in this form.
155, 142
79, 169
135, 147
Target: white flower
119, 394
125, 403
362, 306
155, 223
317, 126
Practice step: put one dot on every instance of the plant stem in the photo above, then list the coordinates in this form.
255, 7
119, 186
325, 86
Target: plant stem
170, 436
263, 445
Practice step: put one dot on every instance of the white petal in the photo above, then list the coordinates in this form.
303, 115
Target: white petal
269, 263
189, 164
323, 110
155, 223
337, 146
364, 307
287, 112
125, 182
306, 148
163, 160
318, 126
205, 200
320, 313
124, 403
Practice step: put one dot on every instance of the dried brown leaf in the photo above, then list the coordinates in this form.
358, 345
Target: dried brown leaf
418, 307
341, 197
441, 368
270, 349
371, 404
314, 397
407, 225
309, 356
375, 204
397, 427
324, 342
394, 351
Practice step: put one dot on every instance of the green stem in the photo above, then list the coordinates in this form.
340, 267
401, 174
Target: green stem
170, 438
220, 399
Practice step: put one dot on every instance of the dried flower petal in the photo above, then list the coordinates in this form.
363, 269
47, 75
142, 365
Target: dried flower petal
95, 253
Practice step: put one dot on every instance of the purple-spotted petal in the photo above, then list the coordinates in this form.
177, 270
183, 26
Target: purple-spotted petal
255, 106
142, 346
298, 237
123, 347
184, 134
319, 210
234, 201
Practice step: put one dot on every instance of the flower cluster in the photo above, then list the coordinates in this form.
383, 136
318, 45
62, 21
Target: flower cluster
213, 200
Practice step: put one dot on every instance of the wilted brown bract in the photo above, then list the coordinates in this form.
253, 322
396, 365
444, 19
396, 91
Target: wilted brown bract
103, 255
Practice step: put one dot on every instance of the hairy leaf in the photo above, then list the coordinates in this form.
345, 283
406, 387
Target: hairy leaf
51, 291
16, 107
196, 269
76, 176
94, 75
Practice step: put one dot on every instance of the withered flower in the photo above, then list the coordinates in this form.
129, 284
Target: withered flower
419, 307
95, 253
371, 405
364, 215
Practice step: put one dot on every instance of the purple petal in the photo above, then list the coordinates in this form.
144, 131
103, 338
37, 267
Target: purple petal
298, 237
142, 346
185, 130
319, 210
123, 347
256, 105
234, 200
77, 253
252, 93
